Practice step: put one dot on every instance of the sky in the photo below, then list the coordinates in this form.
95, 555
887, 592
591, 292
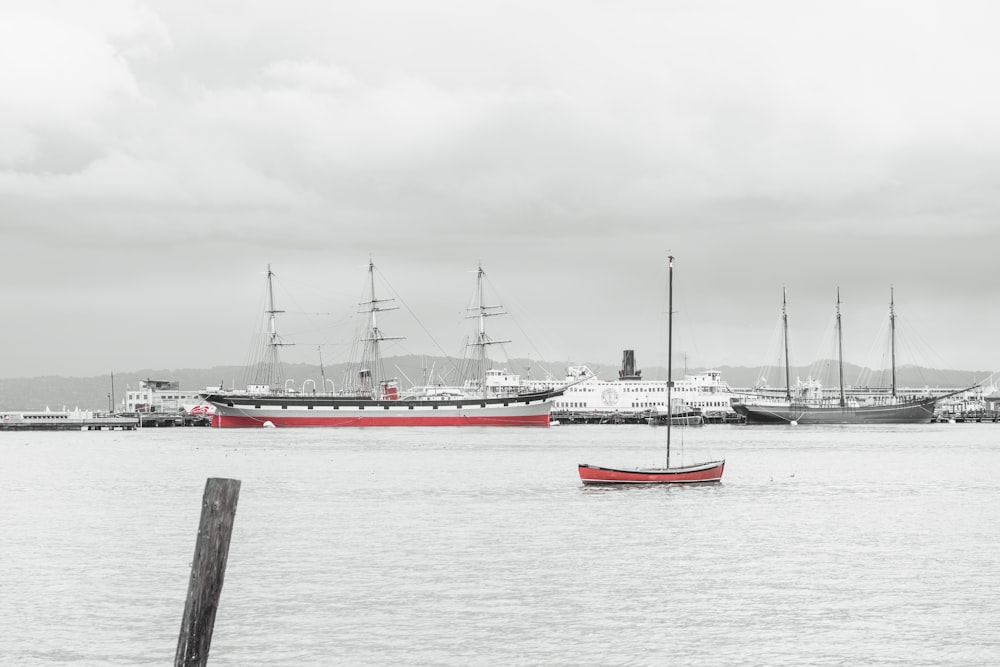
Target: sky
157, 156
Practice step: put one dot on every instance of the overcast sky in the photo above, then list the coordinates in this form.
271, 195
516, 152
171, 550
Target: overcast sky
156, 156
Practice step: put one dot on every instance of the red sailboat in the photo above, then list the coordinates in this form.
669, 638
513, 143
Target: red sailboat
709, 471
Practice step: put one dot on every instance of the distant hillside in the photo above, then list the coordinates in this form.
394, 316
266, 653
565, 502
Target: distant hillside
56, 393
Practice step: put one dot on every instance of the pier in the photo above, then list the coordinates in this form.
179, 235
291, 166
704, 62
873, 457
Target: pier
66, 421
172, 419
570, 417
630, 417
967, 417
85, 420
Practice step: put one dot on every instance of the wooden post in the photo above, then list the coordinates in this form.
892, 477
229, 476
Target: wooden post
208, 569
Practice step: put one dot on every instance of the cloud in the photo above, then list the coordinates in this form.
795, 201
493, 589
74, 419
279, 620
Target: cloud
569, 146
310, 75
66, 73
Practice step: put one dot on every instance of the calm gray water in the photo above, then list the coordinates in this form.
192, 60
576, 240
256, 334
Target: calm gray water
823, 546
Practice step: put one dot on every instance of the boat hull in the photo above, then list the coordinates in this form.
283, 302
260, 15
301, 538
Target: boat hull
255, 412
913, 412
700, 473
676, 420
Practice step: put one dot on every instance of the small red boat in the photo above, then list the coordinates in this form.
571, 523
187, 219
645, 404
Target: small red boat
693, 474
703, 473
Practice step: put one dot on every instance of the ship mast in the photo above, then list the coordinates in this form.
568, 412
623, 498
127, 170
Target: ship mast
784, 320
892, 337
322, 373
670, 346
370, 373
481, 311
269, 371
840, 351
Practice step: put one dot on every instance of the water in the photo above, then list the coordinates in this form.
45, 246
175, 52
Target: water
823, 546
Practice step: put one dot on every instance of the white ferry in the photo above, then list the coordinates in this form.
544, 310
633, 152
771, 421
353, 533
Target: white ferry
629, 396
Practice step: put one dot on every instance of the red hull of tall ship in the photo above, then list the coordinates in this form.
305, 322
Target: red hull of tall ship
233, 421
700, 473
246, 422
233, 411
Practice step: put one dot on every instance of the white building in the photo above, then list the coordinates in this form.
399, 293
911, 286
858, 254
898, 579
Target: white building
164, 396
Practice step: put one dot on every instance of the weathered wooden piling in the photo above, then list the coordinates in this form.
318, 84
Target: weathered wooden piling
208, 569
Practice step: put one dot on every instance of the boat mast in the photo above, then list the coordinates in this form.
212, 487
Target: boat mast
784, 320
840, 350
670, 345
322, 373
270, 374
481, 311
892, 337
370, 373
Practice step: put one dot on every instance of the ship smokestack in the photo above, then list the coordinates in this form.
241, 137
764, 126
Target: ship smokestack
628, 371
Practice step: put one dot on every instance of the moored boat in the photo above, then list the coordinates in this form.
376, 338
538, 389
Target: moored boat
705, 472
683, 417
285, 411
809, 406
374, 400
698, 473
913, 411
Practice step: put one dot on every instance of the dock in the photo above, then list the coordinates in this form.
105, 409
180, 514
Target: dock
66, 421
86, 420
630, 417
172, 419
968, 417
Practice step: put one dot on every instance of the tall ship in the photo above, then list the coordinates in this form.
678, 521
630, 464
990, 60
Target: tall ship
698, 398
489, 397
807, 403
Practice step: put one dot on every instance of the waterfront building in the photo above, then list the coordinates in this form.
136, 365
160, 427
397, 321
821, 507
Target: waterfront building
163, 396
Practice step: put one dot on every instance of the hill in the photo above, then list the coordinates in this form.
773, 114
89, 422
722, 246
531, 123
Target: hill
94, 393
